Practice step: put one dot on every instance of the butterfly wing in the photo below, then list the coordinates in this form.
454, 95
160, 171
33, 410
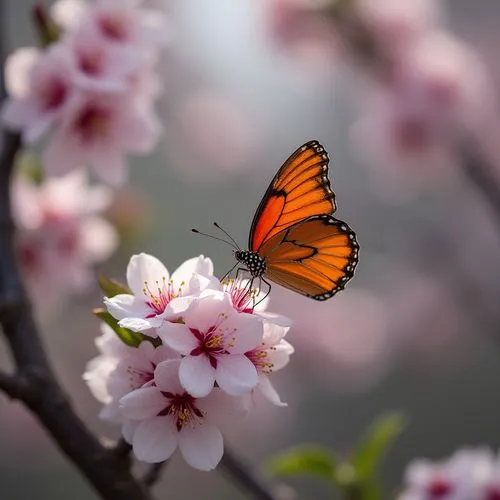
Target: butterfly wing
315, 257
298, 191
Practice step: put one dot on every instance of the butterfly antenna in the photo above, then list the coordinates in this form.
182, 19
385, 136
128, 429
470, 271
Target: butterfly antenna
216, 238
227, 234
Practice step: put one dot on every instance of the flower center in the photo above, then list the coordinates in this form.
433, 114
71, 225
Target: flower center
439, 488
260, 358
53, 94
91, 62
138, 378
92, 122
159, 296
242, 297
182, 408
212, 343
115, 27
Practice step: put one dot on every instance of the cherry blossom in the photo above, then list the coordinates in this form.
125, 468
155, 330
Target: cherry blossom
272, 354
466, 475
61, 234
165, 416
99, 66
98, 130
213, 339
250, 300
120, 369
156, 296
39, 86
124, 23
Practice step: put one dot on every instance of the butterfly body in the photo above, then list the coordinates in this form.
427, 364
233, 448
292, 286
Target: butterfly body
255, 264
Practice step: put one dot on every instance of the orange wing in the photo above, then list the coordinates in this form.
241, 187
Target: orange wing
315, 257
299, 190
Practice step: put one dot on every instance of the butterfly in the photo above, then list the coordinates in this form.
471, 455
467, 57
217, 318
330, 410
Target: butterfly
294, 239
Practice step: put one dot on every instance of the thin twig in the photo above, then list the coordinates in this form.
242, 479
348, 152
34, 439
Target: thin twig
257, 486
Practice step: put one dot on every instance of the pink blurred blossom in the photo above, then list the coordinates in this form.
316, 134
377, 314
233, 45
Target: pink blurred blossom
438, 90
99, 130
306, 36
469, 474
40, 85
396, 25
61, 234
124, 23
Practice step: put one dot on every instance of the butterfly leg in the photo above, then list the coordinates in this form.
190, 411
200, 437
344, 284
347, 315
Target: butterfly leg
228, 273
261, 279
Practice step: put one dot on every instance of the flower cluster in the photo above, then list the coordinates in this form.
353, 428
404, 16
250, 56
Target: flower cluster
60, 233
207, 347
469, 474
94, 87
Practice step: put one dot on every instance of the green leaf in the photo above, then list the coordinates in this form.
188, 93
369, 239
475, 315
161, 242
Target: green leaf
310, 460
111, 287
373, 447
127, 336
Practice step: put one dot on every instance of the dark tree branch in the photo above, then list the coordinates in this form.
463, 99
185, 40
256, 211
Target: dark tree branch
252, 482
35, 383
154, 472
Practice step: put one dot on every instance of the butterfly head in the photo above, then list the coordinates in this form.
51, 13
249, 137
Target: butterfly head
255, 264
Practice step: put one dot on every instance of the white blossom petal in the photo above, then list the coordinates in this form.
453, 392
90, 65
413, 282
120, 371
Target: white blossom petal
167, 376
197, 375
142, 403
144, 268
201, 446
155, 440
236, 374
177, 337
269, 392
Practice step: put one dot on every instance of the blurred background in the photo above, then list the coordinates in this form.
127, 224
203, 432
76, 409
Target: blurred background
418, 328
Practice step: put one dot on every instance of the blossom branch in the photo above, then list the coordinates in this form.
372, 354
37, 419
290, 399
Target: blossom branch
34, 382
252, 482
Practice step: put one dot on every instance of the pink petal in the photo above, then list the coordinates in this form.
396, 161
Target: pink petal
197, 375
201, 265
122, 306
18, 67
144, 267
269, 392
63, 153
167, 376
277, 319
207, 310
139, 324
128, 430
177, 337
280, 355
155, 440
142, 403
109, 164
236, 374
249, 332
201, 446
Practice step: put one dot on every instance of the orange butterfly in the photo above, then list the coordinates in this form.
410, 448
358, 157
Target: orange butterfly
294, 240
